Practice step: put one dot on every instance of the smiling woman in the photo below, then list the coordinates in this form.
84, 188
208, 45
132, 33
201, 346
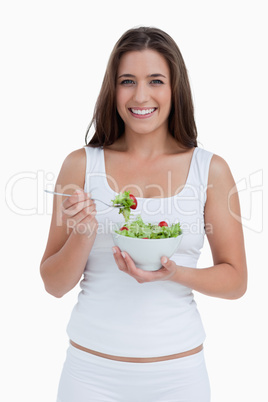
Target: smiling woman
142, 97
144, 143
169, 70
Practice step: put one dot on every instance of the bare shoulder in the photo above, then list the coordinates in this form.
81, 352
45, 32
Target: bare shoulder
73, 169
221, 192
219, 171
76, 157
221, 185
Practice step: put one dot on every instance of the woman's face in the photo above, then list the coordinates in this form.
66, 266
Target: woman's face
143, 91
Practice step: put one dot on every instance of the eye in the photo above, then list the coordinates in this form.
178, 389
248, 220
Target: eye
157, 82
127, 82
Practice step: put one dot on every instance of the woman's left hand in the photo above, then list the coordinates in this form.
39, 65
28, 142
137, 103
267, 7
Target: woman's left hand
127, 265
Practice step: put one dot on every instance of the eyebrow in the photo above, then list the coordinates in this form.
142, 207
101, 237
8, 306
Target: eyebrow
150, 75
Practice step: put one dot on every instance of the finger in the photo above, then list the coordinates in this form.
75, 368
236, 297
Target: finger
78, 207
166, 262
78, 196
87, 212
120, 261
88, 225
169, 266
134, 271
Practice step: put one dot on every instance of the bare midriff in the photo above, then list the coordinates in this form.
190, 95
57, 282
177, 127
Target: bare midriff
139, 359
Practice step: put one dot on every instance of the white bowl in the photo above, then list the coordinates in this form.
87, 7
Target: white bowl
146, 253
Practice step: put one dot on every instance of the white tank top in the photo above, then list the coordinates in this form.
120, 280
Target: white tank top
115, 314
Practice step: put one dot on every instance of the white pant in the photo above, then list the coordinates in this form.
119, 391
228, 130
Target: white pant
89, 378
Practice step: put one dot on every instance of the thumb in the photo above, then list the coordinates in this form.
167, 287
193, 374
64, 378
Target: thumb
168, 264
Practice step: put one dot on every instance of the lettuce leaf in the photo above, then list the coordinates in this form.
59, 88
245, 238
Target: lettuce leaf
126, 202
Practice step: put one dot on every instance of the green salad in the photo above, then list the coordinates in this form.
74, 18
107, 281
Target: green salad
138, 229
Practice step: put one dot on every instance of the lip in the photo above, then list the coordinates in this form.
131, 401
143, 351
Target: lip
142, 116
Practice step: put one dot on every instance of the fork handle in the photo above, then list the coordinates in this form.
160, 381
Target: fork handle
114, 206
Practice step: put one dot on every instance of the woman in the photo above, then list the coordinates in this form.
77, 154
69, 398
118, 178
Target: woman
137, 335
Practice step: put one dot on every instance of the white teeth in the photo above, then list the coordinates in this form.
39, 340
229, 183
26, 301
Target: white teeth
144, 111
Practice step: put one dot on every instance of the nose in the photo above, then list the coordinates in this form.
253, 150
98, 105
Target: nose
142, 93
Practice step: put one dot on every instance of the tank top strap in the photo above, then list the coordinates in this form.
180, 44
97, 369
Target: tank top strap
199, 171
94, 165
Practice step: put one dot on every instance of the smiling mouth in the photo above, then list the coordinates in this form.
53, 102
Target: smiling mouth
142, 112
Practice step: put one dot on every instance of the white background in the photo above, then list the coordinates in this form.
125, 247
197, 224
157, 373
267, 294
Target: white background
54, 54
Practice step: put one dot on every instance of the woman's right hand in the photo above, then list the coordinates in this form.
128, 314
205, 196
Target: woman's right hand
73, 228
78, 214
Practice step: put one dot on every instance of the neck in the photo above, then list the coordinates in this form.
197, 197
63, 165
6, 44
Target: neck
149, 145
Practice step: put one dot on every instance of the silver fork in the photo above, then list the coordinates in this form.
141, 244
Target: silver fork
95, 199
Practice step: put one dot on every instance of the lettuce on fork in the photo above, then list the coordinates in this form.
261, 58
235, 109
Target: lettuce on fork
126, 203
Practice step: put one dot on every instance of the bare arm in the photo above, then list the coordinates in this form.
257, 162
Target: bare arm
227, 278
72, 231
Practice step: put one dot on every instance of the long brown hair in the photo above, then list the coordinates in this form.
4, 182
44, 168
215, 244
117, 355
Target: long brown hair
107, 122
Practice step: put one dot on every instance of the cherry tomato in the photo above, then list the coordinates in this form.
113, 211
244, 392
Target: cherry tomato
162, 223
145, 237
133, 206
124, 228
